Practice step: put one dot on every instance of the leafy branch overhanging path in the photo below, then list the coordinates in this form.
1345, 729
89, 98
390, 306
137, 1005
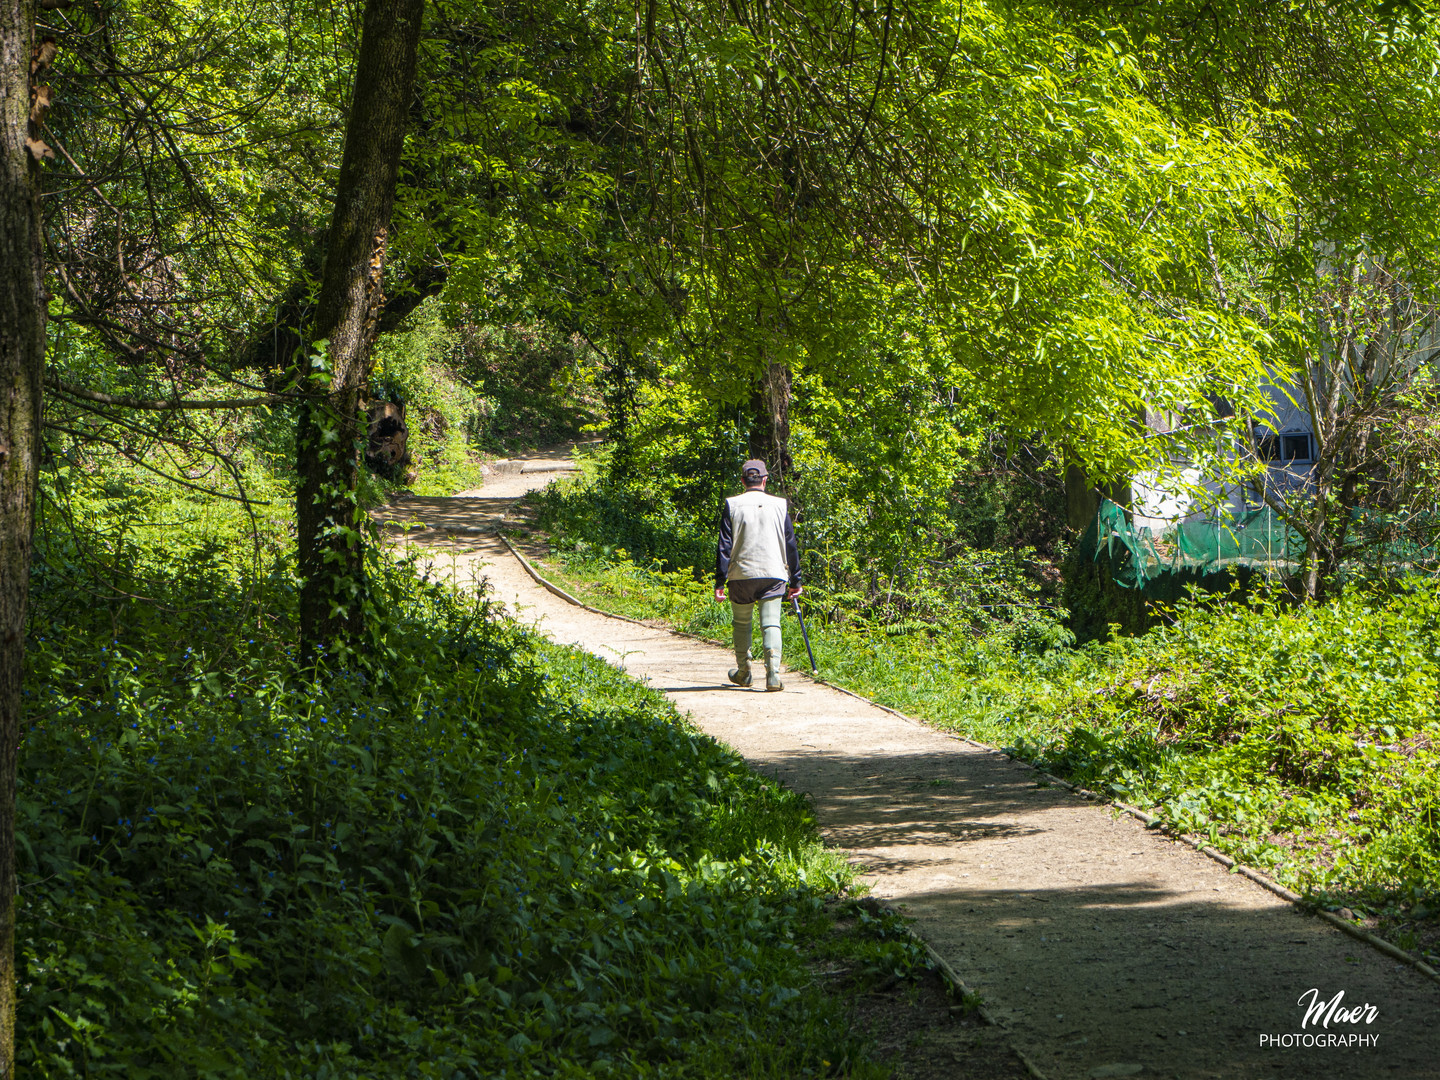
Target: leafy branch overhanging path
1104, 949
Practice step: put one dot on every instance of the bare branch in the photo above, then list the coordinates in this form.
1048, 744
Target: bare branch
167, 405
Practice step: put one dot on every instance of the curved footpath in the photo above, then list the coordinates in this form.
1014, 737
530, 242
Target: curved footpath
1102, 948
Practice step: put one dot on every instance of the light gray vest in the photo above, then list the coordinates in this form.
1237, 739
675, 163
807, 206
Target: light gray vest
757, 524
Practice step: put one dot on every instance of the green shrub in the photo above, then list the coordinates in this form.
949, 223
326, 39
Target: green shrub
609, 514
1302, 738
473, 855
649, 521
413, 366
539, 383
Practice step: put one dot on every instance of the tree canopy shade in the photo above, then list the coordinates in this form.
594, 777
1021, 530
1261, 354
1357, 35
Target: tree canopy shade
897, 217
913, 197
740, 192
1061, 218
978, 194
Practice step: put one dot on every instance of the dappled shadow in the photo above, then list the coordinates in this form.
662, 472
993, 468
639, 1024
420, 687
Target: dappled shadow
478, 510
1131, 973
951, 794
1100, 944
450, 513
1103, 947
898, 827
693, 689
880, 867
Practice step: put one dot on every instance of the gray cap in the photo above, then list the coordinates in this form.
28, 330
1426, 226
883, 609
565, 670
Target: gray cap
754, 469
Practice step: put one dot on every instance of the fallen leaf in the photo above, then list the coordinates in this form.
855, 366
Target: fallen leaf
38, 150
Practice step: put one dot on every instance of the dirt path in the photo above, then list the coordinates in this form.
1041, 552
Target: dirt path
1105, 950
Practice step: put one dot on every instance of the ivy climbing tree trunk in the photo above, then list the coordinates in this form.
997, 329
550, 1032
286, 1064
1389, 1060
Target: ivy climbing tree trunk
23, 100
328, 517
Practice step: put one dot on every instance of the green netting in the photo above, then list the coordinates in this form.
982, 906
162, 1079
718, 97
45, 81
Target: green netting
1257, 536
1257, 540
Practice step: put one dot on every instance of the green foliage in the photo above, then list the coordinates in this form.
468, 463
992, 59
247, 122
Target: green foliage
539, 384
1341, 266
1304, 737
894, 557
470, 387
1096, 602
622, 519
414, 366
880, 253
890, 485
1010, 496
880, 948
470, 854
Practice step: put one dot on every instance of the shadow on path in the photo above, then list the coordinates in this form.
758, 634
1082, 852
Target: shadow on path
440, 514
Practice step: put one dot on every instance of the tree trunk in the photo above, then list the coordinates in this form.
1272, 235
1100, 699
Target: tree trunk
22, 362
770, 424
1317, 535
1332, 518
1082, 501
329, 519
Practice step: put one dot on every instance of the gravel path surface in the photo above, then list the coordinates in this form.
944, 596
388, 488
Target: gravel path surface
1103, 949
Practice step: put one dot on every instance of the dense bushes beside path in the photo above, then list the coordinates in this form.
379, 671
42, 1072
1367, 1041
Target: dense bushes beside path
1305, 740
476, 856
932, 557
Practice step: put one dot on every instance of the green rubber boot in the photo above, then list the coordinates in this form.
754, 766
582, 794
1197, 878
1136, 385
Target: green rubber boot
770, 638
772, 672
740, 637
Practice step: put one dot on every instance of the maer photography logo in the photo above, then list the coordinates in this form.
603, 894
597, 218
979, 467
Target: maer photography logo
1319, 1015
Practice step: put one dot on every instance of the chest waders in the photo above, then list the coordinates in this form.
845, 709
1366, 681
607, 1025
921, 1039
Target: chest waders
742, 632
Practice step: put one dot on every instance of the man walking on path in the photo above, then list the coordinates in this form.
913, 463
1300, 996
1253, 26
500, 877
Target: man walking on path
759, 560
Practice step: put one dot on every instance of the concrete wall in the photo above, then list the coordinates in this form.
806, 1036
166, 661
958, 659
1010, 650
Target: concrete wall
1162, 498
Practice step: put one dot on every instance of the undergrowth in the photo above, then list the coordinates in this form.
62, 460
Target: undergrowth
912, 576
1302, 740
475, 854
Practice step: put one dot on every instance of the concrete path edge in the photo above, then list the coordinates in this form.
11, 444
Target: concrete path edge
1149, 820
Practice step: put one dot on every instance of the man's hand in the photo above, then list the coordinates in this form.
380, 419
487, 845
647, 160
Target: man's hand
790, 594
720, 594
